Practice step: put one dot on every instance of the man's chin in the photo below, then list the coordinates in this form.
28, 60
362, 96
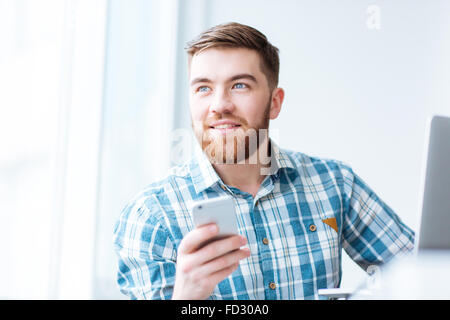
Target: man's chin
237, 147
231, 153
219, 153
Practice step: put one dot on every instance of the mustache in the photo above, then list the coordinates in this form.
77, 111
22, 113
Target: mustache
209, 121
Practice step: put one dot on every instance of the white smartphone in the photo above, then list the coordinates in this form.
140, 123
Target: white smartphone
220, 211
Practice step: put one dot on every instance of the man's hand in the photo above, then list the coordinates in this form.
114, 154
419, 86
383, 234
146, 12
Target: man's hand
199, 270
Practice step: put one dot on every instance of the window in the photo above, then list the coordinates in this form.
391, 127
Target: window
51, 78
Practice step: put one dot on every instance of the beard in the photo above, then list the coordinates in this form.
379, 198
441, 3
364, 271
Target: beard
237, 146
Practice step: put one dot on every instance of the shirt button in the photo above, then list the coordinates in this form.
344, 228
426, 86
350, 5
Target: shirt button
312, 228
265, 241
272, 285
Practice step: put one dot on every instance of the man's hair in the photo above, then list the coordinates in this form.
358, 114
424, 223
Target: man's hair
236, 35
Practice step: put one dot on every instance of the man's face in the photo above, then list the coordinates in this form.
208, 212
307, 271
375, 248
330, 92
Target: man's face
230, 101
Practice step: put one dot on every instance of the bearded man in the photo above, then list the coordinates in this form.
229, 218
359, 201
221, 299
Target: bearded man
295, 212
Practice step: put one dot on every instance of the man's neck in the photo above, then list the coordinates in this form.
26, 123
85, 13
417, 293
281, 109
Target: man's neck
246, 177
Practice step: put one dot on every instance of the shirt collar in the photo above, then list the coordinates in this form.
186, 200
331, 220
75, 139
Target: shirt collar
204, 176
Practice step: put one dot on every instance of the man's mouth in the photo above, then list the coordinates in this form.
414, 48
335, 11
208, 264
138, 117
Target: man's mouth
224, 126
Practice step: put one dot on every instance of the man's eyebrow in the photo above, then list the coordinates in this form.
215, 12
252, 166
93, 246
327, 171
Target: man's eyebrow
243, 76
197, 80
233, 78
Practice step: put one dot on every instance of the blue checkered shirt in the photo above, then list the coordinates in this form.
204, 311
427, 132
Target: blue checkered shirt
301, 218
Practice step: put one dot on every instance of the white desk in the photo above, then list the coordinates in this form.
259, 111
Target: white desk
418, 277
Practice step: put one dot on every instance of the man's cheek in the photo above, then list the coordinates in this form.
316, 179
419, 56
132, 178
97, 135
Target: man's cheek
199, 110
197, 124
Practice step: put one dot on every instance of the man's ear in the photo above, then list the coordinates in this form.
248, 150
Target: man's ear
277, 101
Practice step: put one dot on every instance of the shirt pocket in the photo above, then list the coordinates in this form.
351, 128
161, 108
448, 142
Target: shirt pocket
320, 245
320, 234
327, 235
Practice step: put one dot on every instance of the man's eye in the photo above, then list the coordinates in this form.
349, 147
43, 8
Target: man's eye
240, 86
203, 89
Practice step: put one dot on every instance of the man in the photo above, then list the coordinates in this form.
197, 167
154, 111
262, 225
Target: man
295, 213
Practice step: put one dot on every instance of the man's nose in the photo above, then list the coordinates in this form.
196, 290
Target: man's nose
221, 103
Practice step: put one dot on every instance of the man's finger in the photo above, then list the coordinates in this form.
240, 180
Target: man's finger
224, 261
219, 248
196, 237
222, 274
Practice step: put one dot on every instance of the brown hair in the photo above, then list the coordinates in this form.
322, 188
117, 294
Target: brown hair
236, 35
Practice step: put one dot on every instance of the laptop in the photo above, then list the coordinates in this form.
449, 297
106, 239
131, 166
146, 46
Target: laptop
434, 222
434, 203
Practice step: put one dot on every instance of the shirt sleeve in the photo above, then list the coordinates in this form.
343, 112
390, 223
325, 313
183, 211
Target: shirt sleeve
372, 233
145, 251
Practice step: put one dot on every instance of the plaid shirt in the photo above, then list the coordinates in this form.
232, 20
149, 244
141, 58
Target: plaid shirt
301, 218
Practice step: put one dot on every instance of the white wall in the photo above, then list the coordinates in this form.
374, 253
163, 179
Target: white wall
354, 92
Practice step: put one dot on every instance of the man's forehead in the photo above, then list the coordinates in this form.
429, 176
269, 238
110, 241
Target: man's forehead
224, 63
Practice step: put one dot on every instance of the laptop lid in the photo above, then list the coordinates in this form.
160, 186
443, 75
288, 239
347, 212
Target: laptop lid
434, 223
